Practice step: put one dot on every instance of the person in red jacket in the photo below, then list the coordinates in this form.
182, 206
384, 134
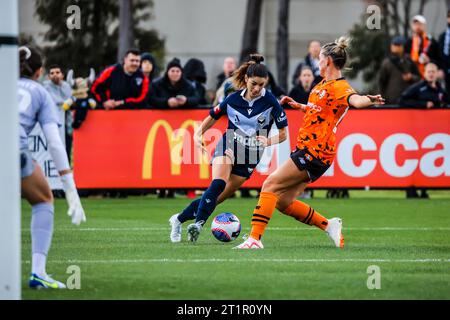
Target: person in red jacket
122, 86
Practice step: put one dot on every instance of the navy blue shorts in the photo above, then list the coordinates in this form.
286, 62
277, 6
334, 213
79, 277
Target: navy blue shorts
245, 159
306, 161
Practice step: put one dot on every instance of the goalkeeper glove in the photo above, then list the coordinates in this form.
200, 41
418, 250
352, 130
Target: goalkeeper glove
75, 211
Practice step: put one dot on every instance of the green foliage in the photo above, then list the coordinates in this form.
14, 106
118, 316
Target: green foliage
367, 50
95, 44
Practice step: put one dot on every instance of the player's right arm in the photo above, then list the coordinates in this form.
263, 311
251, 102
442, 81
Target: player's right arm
207, 123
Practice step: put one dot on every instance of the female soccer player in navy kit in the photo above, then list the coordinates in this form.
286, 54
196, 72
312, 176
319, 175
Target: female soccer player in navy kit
251, 111
36, 106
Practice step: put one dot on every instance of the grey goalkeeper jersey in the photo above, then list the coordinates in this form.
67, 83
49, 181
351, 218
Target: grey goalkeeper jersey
35, 106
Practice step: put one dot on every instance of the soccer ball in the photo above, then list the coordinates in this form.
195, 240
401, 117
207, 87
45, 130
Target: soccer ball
226, 227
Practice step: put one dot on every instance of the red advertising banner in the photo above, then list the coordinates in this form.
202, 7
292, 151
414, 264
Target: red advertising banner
386, 148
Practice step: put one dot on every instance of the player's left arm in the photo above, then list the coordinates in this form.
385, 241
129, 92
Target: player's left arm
359, 101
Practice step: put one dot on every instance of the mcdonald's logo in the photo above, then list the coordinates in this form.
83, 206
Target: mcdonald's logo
176, 141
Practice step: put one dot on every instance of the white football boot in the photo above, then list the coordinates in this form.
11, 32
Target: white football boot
175, 232
334, 231
250, 243
193, 231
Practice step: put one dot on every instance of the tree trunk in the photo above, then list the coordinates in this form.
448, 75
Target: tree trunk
283, 43
125, 27
251, 29
407, 16
422, 6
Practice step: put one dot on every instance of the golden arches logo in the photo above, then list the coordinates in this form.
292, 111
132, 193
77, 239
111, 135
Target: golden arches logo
176, 140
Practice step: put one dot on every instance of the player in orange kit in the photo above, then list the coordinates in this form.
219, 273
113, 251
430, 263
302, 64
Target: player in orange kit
316, 147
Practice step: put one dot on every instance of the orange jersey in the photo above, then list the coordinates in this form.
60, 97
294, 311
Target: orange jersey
327, 106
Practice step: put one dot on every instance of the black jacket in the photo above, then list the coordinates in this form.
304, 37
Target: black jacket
114, 83
419, 94
433, 51
194, 71
161, 90
299, 94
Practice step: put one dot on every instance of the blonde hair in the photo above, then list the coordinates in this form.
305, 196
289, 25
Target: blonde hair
251, 68
337, 51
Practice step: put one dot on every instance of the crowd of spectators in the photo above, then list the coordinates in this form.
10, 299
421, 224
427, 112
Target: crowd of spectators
414, 74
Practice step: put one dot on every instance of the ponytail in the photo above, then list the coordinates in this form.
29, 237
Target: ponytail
337, 51
30, 61
251, 68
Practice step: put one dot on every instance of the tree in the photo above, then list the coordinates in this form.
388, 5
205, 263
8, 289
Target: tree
251, 29
125, 27
95, 43
283, 43
370, 46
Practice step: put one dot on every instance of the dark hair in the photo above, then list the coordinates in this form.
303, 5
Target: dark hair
251, 68
55, 66
337, 51
306, 67
30, 61
134, 51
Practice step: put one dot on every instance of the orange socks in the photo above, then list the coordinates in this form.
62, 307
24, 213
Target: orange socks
304, 213
262, 214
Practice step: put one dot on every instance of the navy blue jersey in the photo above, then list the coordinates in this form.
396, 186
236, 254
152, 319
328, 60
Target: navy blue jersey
248, 119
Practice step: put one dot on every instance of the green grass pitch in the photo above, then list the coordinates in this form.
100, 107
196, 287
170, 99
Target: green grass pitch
124, 252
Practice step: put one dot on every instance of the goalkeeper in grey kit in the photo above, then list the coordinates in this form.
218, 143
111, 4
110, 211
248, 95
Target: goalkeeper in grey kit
37, 106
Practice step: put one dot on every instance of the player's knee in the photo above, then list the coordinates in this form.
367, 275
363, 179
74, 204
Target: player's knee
46, 195
271, 185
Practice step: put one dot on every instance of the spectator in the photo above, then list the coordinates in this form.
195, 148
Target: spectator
60, 91
148, 66
422, 48
122, 86
194, 71
312, 61
229, 65
300, 92
444, 44
173, 90
427, 93
397, 72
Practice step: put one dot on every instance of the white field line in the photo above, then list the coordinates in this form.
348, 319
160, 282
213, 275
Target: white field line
247, 228
244, 260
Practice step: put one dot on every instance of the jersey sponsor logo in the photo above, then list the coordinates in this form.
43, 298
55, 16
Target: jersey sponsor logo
138, 81
314, 107
216, 109
236, 119
247, 141
249, 111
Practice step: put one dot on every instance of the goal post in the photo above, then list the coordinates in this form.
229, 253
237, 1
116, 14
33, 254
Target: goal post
10, 259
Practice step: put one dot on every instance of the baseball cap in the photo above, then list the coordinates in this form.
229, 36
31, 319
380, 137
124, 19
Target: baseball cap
419, 18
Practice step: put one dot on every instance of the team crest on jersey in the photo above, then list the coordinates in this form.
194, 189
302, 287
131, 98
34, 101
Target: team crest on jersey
261, 120
322, 93
138, 81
